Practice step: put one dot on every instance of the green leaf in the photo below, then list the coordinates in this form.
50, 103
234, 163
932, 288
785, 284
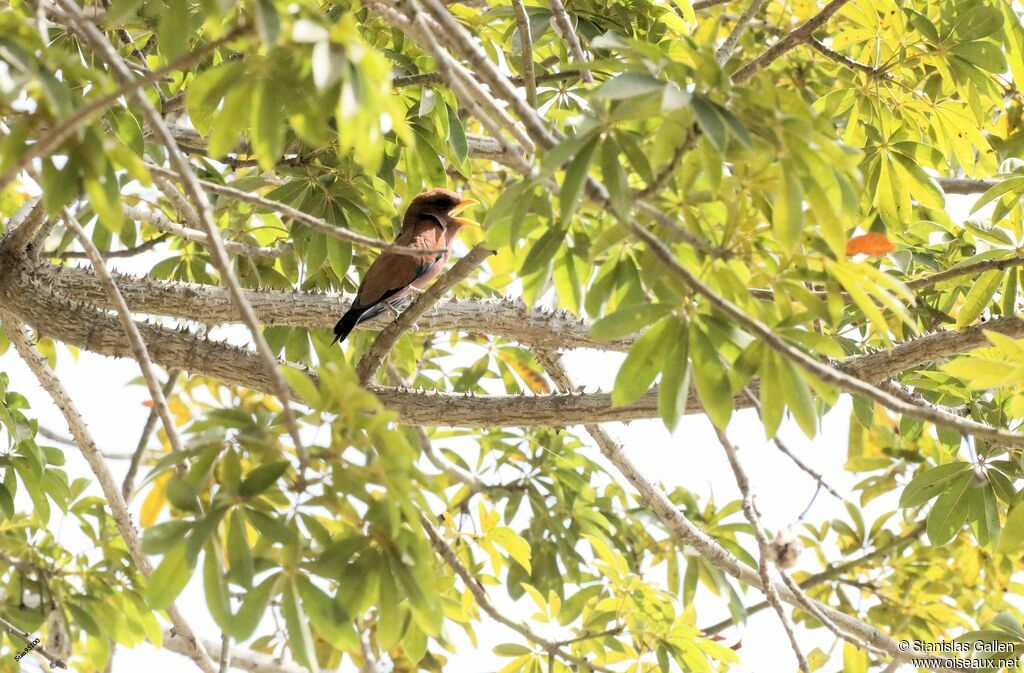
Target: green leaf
629, 84
787, 212
710, 120
615, 178
161, 537
262, 478
510, 650
215, 586
268, 23
772, 397
542, 252
928, 483
174, 30
978, 298
181, 494
169, 578
710, 378
242, 625
266, 124
984, 515
300, 639
627, 321
674, 389
573, 184
390, 620
950, 511
327, 618
641, 366
239, 555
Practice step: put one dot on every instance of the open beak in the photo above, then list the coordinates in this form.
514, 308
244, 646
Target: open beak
461, 206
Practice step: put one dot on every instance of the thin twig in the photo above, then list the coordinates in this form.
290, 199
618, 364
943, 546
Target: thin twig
116, 254
526, 51
128, 485
662, 179
724, 52
798, 35
568, 33
25, 637
225, 653
894, 545
427, 447
315, 223
845, 60
448, 555
422, 78
753, 517
814, 474
119, 510
58, 134
384, 342
124, 315
159, 221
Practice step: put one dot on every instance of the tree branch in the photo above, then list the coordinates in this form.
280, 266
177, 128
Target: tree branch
128, 485
386, 340
568, 33
315, 223
895, 545
25, 637
965, 185
683, 529
549, 646
146, 246
771, 594
245, 659
526, 51
159, 221
724, 52
119, 510
798, 35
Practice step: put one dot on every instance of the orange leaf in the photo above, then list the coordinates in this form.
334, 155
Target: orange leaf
148, 403
533, 380
876, 245
155, 501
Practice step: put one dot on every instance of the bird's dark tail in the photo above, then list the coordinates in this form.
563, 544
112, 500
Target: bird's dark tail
347, 323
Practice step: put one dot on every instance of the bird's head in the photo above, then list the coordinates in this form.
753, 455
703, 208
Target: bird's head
442, 204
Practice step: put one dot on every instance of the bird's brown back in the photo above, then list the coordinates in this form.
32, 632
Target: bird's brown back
391, 271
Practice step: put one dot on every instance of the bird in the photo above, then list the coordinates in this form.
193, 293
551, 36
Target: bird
430, 223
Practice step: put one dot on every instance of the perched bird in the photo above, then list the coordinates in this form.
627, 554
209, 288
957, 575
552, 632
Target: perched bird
430, 223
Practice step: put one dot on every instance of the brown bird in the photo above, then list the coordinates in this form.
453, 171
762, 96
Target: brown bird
430, 223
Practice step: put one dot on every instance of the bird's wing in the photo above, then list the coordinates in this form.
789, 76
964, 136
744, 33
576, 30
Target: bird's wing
391, 273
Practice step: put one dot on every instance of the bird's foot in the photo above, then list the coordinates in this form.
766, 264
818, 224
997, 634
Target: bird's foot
390, 307
417, 290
